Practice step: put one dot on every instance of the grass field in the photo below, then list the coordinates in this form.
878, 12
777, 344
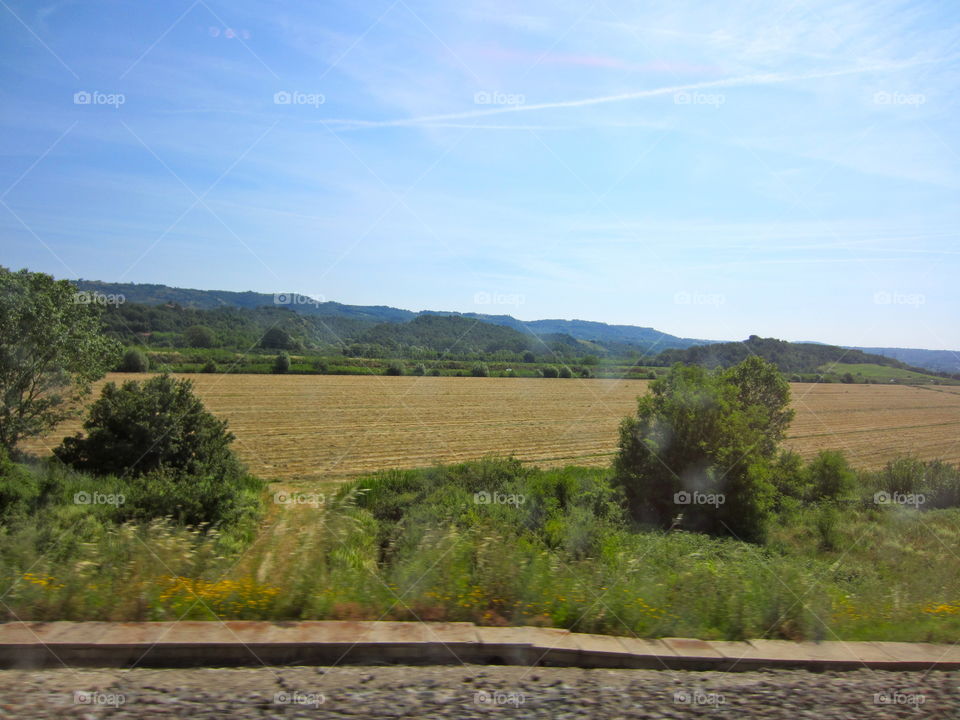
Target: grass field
880, 373
323, 427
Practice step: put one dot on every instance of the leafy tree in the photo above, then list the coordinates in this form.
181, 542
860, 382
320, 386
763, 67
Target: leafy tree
701, 448
277, 339
549, 372
199, 336
830, 477
135, 360
174, 452
281, 363
51, 351
529, 357
565, 372
589, 360
210, 366
419, 369
480, 370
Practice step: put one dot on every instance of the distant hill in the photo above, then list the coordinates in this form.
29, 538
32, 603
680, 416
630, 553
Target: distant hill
947, 361
612, 337
789, 357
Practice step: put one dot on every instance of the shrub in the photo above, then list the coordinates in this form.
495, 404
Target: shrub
549, 372
480, 370
529, 357
435, 372
829, 476
209, 366
134, 361
394, 369
199, 336
700, 450
281, 363
419, 369
565, 372
176, 454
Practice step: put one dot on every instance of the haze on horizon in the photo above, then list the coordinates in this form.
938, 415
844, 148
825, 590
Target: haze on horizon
787, 171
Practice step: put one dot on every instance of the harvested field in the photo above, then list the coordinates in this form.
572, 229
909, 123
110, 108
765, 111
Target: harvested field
326, 427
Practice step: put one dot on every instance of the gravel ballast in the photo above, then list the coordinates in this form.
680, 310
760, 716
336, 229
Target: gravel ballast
474, 692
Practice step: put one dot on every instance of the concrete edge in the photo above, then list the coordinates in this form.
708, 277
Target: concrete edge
26, 645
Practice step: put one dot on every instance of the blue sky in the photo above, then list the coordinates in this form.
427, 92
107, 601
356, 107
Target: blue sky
783, 169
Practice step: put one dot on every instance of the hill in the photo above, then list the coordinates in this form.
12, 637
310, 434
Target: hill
947, 361
789, 357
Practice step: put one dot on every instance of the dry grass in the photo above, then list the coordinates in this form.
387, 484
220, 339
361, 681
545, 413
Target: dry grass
324, 427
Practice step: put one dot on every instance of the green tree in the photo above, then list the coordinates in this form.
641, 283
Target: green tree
135, 360
210, 366
199, 336
701, 448
419, 369
277, 339
830, 477
394, 368
529, 357
51, 351
549, 371
565, 372
281, 363
480, 370
174, 452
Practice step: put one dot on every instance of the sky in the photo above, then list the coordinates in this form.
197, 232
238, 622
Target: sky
713, 170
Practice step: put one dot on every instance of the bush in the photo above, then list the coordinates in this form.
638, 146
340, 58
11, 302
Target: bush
529, 357
565, 372
394, 369
134, 361
829, 476
175, 453
480, 370
435, 372
209, 366
699, 453
419, 370
549, 372
199, 336
281, 364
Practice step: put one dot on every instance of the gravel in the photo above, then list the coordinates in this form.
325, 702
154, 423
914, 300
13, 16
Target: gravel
474, 692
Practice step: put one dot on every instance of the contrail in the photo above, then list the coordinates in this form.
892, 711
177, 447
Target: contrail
763, 79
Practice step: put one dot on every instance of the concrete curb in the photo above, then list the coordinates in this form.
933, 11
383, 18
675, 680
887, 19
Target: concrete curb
234, 643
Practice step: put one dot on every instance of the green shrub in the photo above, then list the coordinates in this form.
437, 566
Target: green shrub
480, 370
700, 451
394, 369
134, 360
199, 336
565, 372
209, 366
435, 372
281, 364
549, 372
175, 453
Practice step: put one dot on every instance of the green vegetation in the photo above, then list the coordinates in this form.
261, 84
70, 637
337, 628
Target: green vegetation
51, 350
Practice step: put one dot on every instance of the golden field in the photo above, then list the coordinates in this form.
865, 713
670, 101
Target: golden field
329, 427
